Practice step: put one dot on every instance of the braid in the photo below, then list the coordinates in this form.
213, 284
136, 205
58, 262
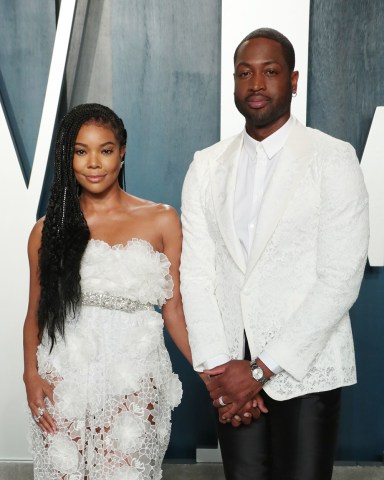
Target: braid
65, 232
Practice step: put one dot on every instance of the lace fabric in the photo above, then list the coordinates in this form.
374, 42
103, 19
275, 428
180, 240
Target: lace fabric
114, 386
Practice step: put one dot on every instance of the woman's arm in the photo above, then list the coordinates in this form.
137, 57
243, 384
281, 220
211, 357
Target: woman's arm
37, 388
173, 313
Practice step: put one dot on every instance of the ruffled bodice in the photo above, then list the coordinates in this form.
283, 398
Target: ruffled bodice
134, 270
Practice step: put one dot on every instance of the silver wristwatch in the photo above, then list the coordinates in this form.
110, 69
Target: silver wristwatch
258, 374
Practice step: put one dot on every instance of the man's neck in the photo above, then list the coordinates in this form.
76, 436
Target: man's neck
261, 133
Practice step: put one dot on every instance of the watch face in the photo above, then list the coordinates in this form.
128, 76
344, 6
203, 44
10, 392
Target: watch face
257, 373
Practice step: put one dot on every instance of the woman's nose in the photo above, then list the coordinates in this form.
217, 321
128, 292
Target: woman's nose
94, 161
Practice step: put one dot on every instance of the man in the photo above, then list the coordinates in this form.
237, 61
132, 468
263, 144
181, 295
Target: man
275, 224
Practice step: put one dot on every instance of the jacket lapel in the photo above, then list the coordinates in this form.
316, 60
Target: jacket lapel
223, 171
290, 169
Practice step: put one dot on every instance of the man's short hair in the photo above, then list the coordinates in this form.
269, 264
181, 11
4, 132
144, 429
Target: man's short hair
271, 34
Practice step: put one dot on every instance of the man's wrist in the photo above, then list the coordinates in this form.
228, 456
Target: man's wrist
260, 372
269, 362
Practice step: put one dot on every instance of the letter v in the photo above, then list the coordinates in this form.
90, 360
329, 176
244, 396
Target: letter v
372, 165
18, 214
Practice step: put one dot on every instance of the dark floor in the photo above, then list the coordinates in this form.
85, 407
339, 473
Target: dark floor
199, 471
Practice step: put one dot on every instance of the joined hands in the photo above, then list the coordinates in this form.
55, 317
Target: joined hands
234, 385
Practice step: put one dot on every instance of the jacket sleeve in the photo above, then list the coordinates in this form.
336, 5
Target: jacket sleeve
197, 271
342, 244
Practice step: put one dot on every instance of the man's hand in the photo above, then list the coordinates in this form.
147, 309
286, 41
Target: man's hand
234, 383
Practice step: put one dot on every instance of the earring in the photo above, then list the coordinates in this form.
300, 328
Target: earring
121, 163
294, 93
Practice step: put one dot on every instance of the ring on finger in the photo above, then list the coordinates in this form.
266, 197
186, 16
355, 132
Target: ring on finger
221, 401
41, 411
37, 418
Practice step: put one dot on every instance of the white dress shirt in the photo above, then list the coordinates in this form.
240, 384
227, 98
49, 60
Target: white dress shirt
256, 165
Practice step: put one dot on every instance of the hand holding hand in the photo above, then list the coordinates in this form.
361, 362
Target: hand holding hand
250, 411
233, 385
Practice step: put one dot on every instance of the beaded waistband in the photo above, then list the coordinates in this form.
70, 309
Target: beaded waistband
104, 300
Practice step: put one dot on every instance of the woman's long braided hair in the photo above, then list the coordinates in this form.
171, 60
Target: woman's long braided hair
65, 232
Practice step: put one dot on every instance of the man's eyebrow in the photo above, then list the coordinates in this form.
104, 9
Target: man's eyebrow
266, 62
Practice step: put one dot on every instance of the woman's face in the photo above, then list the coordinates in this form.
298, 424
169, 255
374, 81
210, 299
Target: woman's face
97, 158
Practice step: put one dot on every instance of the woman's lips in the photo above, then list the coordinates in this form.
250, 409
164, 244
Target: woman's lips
94, 178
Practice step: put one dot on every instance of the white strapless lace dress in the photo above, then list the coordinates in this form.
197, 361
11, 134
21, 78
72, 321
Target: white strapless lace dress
114, 387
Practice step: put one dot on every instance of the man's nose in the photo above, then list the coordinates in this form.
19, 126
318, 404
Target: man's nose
257, 82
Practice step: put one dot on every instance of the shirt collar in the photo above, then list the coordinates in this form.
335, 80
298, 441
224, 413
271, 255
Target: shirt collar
272, 144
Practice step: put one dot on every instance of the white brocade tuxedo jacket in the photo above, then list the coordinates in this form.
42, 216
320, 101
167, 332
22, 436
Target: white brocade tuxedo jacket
304, 270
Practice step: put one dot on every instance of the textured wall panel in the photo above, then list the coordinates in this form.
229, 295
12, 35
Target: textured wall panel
166, 77
89, 67
346, 67
157, 64
27, 33
345, 84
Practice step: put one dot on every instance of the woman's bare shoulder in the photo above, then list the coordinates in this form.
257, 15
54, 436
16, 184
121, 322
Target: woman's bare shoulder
165, 215
160, 211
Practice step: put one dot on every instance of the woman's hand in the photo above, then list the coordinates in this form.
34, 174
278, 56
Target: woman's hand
249, 412
37, 390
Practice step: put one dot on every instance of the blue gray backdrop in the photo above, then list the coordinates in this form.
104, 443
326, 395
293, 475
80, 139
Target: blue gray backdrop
345, 84
157, 64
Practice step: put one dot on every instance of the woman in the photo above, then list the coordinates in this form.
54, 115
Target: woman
98, 378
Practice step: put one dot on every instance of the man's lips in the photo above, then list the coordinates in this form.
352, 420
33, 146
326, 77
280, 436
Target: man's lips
257, 101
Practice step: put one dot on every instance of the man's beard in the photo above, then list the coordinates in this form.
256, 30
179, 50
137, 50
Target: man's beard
259, 118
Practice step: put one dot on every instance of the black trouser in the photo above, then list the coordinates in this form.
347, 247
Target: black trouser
296, 440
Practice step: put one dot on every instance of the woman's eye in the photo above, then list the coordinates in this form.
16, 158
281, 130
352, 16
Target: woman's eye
80, 152
107, 151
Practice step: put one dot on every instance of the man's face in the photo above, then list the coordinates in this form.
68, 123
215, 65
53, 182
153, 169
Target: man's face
263, 85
